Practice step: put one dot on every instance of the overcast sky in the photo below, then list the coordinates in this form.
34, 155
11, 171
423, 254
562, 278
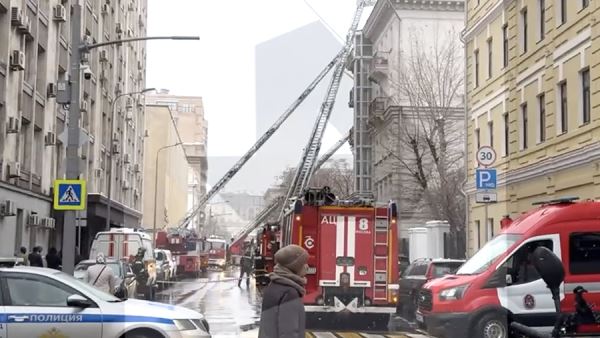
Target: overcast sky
221, 66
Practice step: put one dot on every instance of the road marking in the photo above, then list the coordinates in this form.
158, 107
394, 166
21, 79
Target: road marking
324, 335
348, 335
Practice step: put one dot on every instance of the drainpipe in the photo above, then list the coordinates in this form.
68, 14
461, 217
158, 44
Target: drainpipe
466, 128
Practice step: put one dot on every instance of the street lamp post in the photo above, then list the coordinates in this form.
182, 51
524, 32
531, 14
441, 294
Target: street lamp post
112, 153
156, 189
73, 132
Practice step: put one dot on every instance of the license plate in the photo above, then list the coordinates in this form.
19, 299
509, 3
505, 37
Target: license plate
419, 317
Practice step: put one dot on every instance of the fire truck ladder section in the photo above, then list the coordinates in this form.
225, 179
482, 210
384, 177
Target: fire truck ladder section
259, 143
332, 151
381, 259
261, 218
308, 160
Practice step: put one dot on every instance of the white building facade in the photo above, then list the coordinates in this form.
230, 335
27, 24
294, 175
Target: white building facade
34, 57
381, 111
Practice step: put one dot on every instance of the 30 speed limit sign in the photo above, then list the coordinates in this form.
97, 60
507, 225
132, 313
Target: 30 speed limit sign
486, 156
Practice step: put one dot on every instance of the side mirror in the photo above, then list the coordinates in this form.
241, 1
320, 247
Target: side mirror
78, 301
549, 267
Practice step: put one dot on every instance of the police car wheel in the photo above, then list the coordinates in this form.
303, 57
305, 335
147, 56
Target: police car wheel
491, 325
142, 334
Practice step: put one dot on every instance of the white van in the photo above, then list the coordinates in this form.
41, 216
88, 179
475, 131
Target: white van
122, 243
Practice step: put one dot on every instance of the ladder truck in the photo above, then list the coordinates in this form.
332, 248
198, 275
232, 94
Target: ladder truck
352, 245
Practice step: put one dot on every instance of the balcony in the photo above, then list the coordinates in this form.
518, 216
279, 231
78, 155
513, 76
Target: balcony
379, 67
379, 105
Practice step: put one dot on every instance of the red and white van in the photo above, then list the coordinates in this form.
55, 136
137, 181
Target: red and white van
499, 283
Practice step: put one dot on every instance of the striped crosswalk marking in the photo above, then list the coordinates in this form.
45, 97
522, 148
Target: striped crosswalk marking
323, 334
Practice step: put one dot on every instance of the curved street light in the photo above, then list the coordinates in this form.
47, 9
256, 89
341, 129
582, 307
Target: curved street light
110, 149
156, 189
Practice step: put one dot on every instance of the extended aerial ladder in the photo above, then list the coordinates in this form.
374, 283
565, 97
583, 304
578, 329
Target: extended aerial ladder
308, 164
332, 151
308, 160
276, 204
257, 145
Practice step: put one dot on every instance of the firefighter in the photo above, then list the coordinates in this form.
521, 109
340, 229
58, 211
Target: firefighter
246, 267
141, 274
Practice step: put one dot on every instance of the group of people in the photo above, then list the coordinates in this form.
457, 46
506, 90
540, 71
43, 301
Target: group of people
52, 260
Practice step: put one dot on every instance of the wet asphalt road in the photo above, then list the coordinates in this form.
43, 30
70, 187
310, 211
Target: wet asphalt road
233, 311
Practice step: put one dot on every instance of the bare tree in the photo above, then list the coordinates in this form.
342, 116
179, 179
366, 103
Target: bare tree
336, 174
428, 140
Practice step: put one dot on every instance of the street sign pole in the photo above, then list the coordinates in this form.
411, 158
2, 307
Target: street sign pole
486, 156
73, 139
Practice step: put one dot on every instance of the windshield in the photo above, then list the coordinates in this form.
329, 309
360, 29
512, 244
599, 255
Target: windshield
214, 245
445, 268
85, 288
486, 255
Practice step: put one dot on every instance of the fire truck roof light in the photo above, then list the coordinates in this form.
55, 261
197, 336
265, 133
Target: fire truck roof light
561, 200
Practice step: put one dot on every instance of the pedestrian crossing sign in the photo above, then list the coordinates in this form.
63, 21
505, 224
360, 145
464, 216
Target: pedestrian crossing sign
69, 194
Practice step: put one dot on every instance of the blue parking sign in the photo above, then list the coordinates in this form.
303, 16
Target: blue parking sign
485, 179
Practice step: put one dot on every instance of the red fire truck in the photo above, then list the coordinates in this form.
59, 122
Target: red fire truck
216, 247
188, 252
353, 261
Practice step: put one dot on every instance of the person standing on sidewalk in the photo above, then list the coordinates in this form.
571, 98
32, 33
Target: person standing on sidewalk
282, 312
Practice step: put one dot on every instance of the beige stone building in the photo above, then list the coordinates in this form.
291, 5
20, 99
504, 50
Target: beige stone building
531, 67
34, 57
165, 170
188, 113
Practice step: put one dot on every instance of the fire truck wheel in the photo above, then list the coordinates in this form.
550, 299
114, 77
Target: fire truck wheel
491, 325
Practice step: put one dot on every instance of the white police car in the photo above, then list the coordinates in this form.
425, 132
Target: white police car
38, 302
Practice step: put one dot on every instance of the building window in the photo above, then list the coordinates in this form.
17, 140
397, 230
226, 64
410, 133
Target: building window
478, 226
542, 110
563, 11
490, 229
585, 3
524, 125
477, 139
542, 4
476, 57
563, 107
505, 44
491, 133
506, 134
524, 29
489, 47
585, 95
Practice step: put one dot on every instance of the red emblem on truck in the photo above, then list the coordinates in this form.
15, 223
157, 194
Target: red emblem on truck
529, 302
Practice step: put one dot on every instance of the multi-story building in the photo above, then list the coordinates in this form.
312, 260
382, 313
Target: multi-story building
165, 170
34, 57
530, 73
246, 205
188, 112
382, 110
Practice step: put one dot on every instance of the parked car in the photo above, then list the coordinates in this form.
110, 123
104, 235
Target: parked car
165, 265
120, 268
416, 275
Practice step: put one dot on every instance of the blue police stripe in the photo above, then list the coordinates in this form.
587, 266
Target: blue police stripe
80, 318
